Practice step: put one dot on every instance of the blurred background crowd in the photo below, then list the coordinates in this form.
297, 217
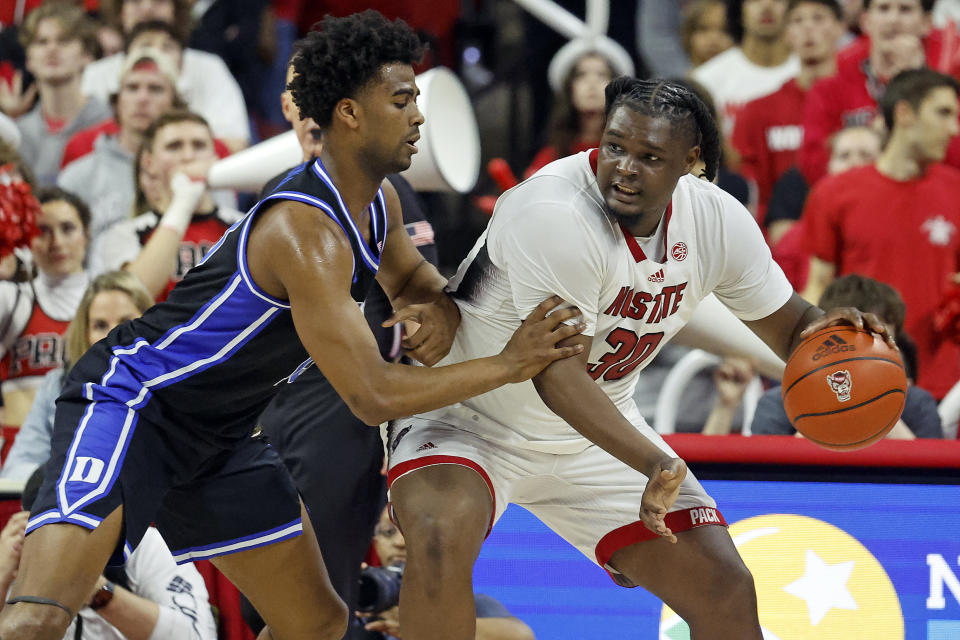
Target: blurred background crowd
114, 111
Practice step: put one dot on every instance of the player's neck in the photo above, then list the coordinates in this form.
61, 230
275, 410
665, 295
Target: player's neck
355, 182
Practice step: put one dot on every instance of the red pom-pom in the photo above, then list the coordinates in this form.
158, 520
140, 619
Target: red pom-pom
19, 210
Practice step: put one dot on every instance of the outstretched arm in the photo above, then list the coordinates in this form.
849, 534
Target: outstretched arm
785, 328
570, 392
296, 252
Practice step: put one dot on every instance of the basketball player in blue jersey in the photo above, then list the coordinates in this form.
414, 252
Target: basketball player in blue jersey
156, 421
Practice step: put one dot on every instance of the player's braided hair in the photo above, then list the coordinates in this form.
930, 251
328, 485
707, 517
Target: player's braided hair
343, 56
678, 104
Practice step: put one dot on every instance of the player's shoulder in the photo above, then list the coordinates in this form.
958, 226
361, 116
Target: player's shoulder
704, 206
703, 194
568, 184
561, 198
294, 223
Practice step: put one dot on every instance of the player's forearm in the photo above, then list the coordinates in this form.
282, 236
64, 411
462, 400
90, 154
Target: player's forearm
424, 284
568, 391
156, 260
133, 616
396, 390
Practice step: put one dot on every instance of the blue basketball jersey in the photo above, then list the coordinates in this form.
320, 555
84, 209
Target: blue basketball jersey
206, 361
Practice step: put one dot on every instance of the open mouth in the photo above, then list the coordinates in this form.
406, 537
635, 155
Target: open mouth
412, 142
627, 191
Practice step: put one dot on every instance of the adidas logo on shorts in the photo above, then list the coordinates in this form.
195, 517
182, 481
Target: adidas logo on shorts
833, 344
657, 277
426, 445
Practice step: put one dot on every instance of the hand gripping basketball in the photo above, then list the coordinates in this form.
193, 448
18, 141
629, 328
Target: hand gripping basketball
844, 386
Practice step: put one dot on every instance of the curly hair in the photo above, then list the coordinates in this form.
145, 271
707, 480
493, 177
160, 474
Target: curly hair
344, 56
675, 102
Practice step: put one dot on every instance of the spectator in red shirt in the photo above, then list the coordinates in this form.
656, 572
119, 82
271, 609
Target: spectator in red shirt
851, 147
770, 129
896, 31
898, 220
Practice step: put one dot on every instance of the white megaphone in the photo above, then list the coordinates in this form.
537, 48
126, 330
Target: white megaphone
449, 147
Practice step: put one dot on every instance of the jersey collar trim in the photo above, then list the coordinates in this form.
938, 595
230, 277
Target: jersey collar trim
371, 259
632, 244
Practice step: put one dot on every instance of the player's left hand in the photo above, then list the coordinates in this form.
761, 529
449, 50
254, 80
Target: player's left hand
850, 315
660, 494
438, 321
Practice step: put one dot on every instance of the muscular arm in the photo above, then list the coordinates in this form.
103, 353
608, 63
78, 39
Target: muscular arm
571, 393
785, 328
296, 252
781, 329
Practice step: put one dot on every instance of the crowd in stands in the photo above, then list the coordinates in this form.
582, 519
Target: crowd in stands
840, 123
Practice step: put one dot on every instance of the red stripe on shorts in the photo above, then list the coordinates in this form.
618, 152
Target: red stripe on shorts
429, 461
677, 521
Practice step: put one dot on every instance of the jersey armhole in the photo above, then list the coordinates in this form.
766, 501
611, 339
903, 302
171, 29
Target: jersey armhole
245, 232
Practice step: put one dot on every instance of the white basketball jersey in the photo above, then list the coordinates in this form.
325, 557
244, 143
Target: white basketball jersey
551, 235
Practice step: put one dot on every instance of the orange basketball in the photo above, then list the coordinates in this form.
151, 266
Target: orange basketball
844, 388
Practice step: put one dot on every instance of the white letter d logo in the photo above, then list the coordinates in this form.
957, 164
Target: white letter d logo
87, 470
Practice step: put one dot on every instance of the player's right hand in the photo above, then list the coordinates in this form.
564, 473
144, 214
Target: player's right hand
534, 345
662, 490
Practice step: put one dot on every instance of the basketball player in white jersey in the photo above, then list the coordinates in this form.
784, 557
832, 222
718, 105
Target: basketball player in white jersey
634, 241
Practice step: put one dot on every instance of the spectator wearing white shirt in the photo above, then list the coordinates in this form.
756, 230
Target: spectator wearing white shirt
205, 82
758, 66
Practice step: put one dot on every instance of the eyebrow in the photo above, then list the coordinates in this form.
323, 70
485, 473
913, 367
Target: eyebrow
647, 143
407, 91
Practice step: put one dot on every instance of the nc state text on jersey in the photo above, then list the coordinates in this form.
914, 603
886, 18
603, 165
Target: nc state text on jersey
634, 304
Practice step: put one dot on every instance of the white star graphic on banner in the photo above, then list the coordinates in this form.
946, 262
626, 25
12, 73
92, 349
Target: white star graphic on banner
823, 587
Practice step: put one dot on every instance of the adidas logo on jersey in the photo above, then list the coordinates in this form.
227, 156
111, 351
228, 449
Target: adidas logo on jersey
657, 277
833, 344
426, 445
